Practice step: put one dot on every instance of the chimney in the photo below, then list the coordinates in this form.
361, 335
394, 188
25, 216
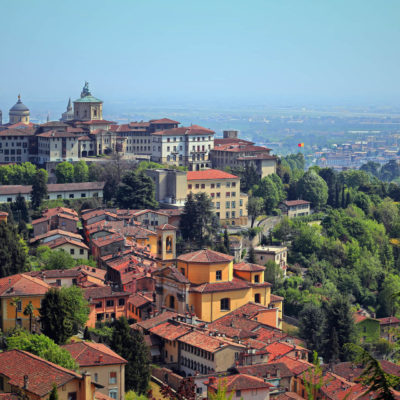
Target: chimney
100, 358
26, 381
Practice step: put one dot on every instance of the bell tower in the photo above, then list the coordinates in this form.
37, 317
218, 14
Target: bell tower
166, 242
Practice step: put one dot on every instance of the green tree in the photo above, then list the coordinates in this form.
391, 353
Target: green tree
338, 329
86, 334
273, 274
251, 257
13, 251
136, 191
379, 383
28, 311
39, 188
226, 240
389, 303
65, 172
43, 347
390, 171
268, 191
221, 393
372, 168
131, 346
81, 171
313, 188
311, 325
329, 176
313, 378
255, 207
54, 259
62, 313
198, 223
20, 209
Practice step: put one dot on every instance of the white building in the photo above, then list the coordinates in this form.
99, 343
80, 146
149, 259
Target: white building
14, 145
57, 146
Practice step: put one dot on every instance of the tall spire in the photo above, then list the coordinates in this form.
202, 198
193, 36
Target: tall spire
69, 106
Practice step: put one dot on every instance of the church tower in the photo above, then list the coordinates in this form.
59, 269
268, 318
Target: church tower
19, 112
69, 114
88, 108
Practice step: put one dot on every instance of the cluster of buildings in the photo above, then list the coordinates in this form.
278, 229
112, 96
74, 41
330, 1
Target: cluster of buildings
351, 155
82, 132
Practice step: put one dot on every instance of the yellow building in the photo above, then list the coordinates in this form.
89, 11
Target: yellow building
207, 283
16, 292
224, 189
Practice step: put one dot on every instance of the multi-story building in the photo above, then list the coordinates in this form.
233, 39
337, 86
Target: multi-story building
106, 367
277, 254
15, 145
57, 146
206, 283
185, 146
237, 153
224, 189
295, 208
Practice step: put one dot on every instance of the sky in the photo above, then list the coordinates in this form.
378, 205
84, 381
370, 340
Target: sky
177, 51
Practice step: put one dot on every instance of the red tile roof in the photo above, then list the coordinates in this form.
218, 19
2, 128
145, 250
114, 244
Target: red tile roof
170, 330
102, 293
288, 396
247, 267
297, 367
22, 285
291, 203
389, 321
208, 174
106, 240
240, 148
205, 256
139, 300
190, 130
167, 227
57, 134
88, 354
64, 240
57, 210
234, 284
15, 364
351, 371
262, 370
163, 121
158, 319
238, 382
224, 141
72, 235
17, 132
97, 122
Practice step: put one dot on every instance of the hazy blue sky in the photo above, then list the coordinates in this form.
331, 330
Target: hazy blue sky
256, 51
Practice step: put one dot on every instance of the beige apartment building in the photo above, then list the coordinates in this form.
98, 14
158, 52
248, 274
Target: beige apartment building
57, 146
295, 208
105, 366
15, 144
224, 190
278, 254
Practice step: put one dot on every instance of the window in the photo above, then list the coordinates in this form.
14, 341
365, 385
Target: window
96, 377
110, 303
113, 393
203, 186
81, 251
99, 304
218, 194
197, 186
257, 298
83, 194
228, 204
257, 278
218, 275
212, 185
121, 302
72, 251
217, 205
19, 305
238, 393
228, 194
218, 185
58, 281
72, 396
113, 378
189, 186
233, 204
225, 304
71, 196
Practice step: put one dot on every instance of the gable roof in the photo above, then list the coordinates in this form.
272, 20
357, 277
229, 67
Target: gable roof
248, 267
91, 354
57, 232
158, 319
22, 285
238, 382
15, 364
209, 174
291, 203
205, 256
170, 330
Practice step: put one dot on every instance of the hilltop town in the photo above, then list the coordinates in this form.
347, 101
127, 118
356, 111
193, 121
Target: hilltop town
155, 258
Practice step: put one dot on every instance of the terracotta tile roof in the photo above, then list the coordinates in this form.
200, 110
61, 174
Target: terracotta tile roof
278, 349
257, 157
57, 134
102, 292
261, 370
58, 210
158, 319
351, 371
81, 138
106, 240
167, 227
163, 121
241, 148
274, 297
88, 354
101, 396
22, 285
224, 141
17, 132
91, 271
15, 364
67, 187
64, 240
136, 231
208, 174
139, 300
54, 232
297, 367
291, 203
238, 382
205, 256
190, 130
172, 273
94, 213
269, 335
247, 267
97, 122
234, 284
3, 213
204, 341
288, 396
8, 396
389, 321
54, 273
170, 330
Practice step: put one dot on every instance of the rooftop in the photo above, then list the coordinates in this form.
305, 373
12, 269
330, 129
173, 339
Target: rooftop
291, 203
206, 256
22, 285
247, 267
208, 174
238, 382
92, 354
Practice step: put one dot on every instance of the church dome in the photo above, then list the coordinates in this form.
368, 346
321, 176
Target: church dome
19, 106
